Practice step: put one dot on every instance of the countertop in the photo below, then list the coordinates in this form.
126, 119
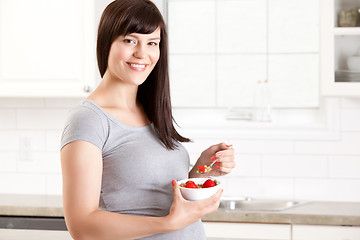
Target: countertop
311, 213
31, 205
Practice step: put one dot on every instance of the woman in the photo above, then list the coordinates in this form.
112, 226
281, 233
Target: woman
120, 152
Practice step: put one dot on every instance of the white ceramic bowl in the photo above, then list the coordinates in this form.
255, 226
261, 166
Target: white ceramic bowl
198, 193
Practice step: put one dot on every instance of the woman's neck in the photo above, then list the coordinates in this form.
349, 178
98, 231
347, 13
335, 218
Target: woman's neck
112, 93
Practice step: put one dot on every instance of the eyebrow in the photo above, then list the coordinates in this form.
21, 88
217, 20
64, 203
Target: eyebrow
133, 35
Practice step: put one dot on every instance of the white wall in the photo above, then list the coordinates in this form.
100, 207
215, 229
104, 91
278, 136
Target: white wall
271, 168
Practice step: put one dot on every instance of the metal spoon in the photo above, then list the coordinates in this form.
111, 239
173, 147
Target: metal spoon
217, 159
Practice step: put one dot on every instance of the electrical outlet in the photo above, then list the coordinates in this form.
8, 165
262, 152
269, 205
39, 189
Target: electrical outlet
26, 148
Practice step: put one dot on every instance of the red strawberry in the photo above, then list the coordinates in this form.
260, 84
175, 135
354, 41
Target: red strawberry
190, 184
201, 168
209, 183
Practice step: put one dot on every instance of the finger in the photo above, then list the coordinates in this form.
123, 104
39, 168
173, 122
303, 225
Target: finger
224, 153
225, 170
226, 165
176, 190
213, 199
219, 147
214, 202
226, 159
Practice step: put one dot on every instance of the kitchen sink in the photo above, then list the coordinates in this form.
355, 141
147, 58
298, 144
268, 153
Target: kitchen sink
249, 204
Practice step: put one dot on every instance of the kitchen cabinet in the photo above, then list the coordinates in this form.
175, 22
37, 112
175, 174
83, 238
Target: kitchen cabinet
308, 232
248, 231
20, 234
47, 48
222, 50
30, 227
340, 41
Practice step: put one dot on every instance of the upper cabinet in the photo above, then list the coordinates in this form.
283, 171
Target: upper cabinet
47, 48
224, 52
340, 48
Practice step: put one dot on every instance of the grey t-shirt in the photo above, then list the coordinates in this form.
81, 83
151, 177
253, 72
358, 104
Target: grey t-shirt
137, 168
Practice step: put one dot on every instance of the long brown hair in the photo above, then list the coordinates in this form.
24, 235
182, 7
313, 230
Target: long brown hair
122, 17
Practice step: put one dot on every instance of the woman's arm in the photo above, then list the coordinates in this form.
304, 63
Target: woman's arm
82, 173
225, 155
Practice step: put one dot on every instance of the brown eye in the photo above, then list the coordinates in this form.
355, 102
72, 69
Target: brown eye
128, 41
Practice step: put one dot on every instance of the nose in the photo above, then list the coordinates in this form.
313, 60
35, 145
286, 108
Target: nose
140, 52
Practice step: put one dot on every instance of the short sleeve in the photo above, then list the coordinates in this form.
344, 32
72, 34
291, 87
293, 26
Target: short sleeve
85, 124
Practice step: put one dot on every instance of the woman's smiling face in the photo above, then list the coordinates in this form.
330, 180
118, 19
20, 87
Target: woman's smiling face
134, 56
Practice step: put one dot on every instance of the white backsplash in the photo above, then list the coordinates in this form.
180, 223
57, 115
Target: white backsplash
266, 168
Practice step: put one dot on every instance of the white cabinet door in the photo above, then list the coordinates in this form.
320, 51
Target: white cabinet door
308, 232
22, 234
218, 231
222, 49
47, 48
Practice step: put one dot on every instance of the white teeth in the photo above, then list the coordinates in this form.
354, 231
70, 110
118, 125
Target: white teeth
137, 65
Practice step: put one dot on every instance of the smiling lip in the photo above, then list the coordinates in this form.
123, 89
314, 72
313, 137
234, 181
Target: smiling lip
137, 66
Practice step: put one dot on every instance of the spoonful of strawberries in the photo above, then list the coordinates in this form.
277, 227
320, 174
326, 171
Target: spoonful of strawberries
205, 169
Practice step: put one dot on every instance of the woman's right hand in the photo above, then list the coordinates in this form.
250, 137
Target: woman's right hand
183, 212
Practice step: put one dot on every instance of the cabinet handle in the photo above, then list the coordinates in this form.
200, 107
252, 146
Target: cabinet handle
87, 88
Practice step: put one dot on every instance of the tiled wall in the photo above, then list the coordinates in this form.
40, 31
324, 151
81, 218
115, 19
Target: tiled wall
39, 123
292, 169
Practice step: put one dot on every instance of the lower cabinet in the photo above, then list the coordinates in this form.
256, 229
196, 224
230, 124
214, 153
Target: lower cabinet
247, 231
32, 234
310, 232
33, 228
257, 231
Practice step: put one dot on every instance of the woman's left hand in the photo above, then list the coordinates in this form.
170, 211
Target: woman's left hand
223, 153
